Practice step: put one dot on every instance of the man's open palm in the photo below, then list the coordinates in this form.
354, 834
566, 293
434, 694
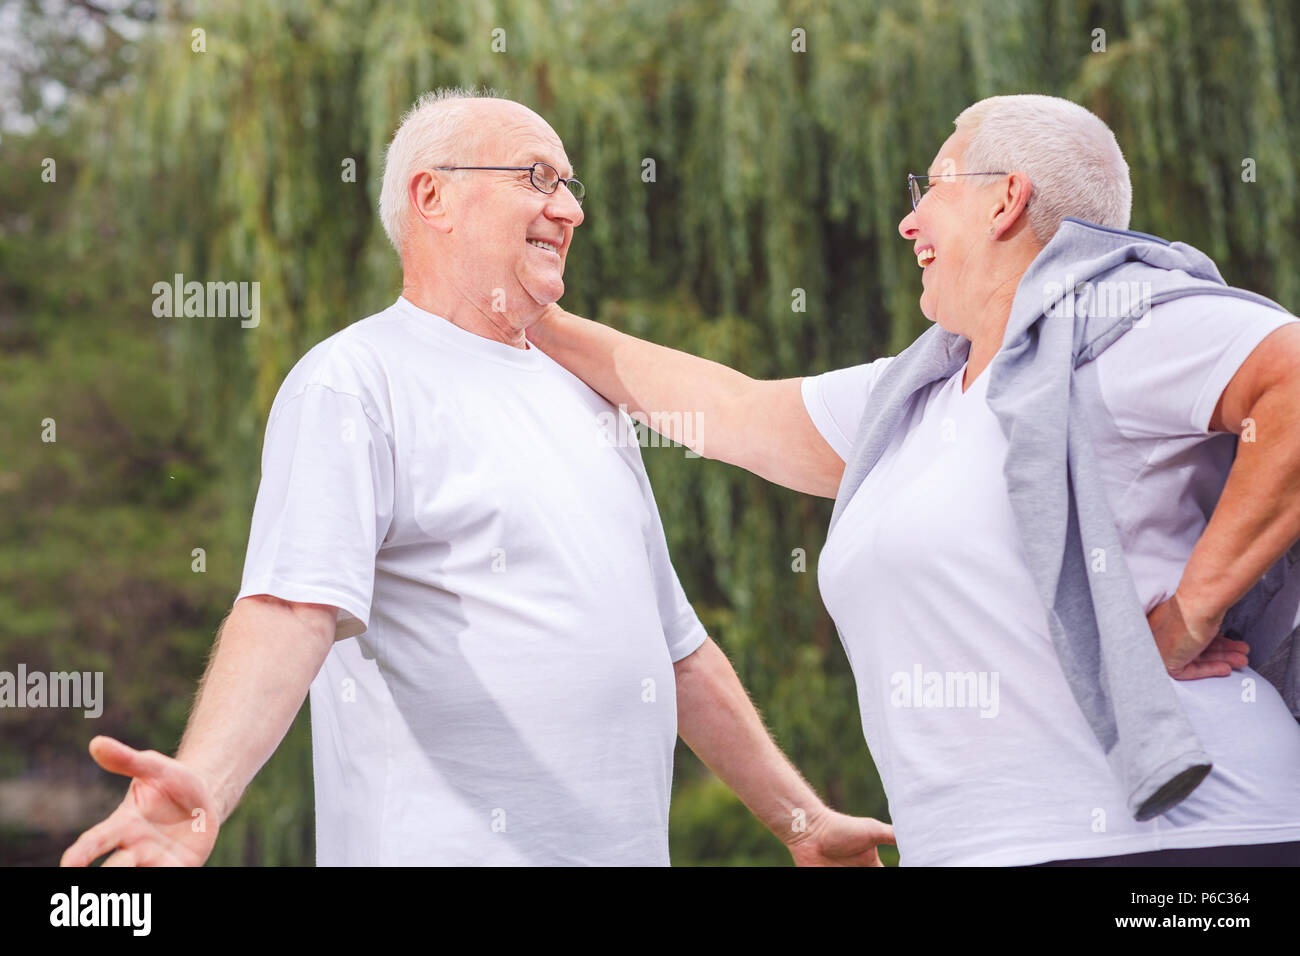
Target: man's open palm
168, 817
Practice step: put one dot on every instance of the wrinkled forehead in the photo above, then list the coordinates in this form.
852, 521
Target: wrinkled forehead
513, 135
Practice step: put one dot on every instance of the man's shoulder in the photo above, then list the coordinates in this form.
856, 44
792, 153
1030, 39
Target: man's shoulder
356, 360
377, 338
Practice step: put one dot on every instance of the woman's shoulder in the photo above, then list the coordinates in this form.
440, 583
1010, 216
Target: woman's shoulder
1163, 377
835, 400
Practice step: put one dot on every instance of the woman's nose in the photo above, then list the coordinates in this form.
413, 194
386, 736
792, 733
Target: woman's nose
907, 228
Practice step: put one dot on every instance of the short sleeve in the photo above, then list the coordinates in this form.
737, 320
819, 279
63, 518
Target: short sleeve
1163, 377
835, 401
324, 506
683, 631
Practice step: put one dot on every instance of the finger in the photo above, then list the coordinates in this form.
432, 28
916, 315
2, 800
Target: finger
1198, 670
1231, 658
885, 834
150, 855
1219, 653
111, 754
1225, 645
1236, 653
121, 858
93, 844
116, 757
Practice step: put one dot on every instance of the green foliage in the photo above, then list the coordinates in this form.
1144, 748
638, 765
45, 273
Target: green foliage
709, 826
775, 171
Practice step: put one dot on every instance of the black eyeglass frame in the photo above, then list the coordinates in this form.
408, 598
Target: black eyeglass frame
580, 194
914, 191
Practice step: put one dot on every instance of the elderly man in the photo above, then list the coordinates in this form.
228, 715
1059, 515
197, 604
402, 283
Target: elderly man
474, 584
1035, 505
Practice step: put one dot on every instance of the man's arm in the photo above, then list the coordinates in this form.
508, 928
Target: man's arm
761, 426
267, 653
1257, 518
717, 720
266, 657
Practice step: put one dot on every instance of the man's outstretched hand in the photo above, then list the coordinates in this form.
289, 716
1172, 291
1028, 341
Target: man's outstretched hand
836, 839
168, 817
1193, 648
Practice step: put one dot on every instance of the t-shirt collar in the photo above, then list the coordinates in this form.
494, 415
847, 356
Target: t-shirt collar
448, 333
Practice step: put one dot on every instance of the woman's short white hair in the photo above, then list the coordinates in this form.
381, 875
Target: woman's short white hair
432, 133
1073, 162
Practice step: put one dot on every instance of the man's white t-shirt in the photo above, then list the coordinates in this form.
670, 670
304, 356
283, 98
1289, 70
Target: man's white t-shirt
483, 522
982, 750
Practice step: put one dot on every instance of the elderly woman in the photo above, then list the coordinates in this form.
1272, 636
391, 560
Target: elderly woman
1012, 716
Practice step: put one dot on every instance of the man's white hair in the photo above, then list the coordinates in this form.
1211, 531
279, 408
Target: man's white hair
434, 132
1073, 162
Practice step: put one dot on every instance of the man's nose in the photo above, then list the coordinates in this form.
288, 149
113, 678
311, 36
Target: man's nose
908, 228
564, 207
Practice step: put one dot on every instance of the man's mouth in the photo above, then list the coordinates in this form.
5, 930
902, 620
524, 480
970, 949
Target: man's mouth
547, 244
925, 256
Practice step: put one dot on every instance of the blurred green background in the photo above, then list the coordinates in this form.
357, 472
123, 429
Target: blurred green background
776, 170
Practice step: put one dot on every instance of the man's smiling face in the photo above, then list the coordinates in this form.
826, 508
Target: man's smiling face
508, 234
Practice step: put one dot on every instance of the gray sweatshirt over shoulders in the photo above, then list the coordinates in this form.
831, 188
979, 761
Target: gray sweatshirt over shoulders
1086, 288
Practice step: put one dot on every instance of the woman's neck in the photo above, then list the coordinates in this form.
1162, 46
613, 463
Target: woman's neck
990, 327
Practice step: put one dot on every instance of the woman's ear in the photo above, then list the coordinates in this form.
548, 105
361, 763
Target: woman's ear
1012, 201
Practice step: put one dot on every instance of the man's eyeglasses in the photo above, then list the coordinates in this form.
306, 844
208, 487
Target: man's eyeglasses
544, 177
914, 187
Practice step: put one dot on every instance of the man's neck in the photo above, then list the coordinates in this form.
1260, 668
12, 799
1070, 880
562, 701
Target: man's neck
462, 311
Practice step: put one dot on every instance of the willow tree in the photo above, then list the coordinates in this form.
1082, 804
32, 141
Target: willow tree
745, 165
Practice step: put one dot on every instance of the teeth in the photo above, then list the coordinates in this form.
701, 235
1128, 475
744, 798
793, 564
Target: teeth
541, 245
925, 257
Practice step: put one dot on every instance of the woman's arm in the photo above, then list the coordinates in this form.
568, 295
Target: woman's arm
717, 412
1257, 517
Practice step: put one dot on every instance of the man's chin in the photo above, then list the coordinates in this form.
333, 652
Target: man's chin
547, 293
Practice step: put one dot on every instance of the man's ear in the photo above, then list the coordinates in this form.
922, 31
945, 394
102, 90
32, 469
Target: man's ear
428, 198
1011, 202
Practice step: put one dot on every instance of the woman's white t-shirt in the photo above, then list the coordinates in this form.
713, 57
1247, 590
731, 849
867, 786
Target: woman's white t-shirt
984, 754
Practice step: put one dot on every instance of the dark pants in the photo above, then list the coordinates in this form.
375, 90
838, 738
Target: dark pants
1259, 854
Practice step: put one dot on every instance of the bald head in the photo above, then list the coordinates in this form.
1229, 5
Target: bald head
483, 244
448, 127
